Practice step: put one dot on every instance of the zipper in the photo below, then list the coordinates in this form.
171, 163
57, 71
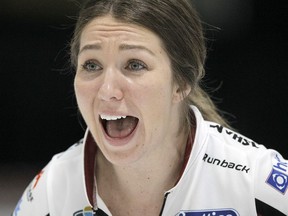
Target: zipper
164, 202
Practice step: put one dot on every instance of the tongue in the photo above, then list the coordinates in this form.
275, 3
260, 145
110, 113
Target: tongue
121, 128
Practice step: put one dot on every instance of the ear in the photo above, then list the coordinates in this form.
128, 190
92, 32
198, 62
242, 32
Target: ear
179, 93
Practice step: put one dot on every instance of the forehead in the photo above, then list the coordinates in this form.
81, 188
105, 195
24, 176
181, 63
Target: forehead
102, 29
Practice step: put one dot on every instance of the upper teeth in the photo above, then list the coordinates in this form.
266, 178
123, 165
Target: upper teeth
108, 117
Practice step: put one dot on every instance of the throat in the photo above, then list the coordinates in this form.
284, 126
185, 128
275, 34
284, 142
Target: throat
126, 194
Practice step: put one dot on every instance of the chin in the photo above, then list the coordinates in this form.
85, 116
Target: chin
127, 154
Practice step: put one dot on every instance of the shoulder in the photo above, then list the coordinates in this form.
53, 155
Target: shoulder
35, 199
227, 143
71, 153
230, 137
268, 168
219, 142
223, 144
216, 136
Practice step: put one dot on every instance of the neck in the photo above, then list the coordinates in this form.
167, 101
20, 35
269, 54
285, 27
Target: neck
147, 172
144, 181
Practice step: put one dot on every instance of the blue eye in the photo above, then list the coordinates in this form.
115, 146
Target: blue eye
91, 66
136, 65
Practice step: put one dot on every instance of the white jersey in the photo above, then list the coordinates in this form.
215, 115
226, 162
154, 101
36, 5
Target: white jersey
226, 174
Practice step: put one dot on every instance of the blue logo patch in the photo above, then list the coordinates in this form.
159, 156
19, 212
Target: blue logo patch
220, 212
278, 180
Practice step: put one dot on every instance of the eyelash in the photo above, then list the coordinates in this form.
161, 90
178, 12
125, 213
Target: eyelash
138, 62
87, 65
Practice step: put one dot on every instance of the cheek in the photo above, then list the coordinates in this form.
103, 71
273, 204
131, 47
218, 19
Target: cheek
153, 100
159, 92
84, 96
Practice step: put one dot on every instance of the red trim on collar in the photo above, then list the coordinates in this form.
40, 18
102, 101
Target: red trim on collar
188, 150
89, 161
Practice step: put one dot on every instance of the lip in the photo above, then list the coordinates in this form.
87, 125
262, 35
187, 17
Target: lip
118, 141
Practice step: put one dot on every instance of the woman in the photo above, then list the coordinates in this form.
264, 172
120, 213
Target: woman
155, 143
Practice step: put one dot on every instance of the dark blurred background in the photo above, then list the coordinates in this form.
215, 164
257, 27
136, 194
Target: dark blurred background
247, 66
247, 60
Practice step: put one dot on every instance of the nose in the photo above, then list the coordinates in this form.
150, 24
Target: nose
110, 86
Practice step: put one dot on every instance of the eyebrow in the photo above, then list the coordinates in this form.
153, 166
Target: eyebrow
90, 47
131, 47
121, 47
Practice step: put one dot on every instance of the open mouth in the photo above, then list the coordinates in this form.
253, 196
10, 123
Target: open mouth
118, 126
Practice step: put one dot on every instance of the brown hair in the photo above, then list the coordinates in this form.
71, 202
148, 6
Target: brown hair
180, 29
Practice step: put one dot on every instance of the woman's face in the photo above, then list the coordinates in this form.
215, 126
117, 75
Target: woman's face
125, 91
